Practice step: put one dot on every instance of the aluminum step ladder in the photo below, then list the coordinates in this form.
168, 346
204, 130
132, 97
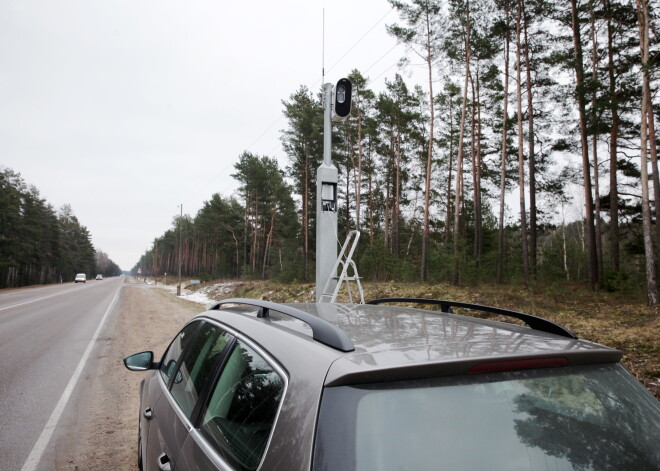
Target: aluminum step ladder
346, 261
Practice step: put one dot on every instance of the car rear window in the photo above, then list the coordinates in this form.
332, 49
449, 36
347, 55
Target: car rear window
577, 418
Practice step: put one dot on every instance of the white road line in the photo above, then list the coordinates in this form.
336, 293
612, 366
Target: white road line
38, 450
34, 300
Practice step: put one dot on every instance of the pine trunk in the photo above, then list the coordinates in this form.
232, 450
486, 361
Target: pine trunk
521, 156
478, 218
505, 106
590, 233
371, 211
397, 196
614, 137
358, 185
475, 189
594, 148
461, 151
449, 171
269, 244
429, 160
654, 160
643, 18
531, 158
305, 214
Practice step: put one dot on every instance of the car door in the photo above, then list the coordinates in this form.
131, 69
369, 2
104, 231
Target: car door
151, 392
236, 422
184, 379
154, 409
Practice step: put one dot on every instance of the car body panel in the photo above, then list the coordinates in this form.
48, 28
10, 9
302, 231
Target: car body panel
168, 431
152, 392
365, 368
198, 455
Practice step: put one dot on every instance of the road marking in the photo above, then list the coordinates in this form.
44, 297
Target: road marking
38, 450
34, 300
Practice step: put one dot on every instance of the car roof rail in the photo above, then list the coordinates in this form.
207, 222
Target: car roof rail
536, 323
322, 330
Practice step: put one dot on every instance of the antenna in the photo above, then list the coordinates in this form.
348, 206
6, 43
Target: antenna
323, 52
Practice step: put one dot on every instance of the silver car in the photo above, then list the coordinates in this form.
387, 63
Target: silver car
254, 385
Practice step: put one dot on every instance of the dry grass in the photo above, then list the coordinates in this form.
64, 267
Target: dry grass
626, 323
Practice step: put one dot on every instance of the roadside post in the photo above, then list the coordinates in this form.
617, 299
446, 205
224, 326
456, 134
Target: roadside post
337, 106
178, 287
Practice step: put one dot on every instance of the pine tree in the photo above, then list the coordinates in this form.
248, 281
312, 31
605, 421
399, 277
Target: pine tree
422, 32
521, 158
643, 18
580, 92
303, 143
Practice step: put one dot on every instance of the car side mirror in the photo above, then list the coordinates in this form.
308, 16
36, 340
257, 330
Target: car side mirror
179, 377
140, 361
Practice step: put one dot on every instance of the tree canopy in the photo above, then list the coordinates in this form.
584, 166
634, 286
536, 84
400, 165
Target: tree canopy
39, 245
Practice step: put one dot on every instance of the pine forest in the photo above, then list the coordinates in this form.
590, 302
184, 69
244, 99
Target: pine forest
39, 245
527, 154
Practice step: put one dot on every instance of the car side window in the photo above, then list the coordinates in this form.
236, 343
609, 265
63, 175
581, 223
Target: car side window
169, 363
242, 409
197, 366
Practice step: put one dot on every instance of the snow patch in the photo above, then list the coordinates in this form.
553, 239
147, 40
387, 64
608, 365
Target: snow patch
209, 294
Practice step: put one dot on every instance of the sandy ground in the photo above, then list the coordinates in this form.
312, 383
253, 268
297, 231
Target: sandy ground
106, 437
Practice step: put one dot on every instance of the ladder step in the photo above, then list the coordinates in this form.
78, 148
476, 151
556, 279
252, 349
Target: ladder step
349, 278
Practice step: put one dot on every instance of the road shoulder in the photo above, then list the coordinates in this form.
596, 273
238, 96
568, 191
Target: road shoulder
100, 429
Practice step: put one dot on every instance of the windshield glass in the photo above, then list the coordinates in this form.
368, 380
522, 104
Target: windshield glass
578, 418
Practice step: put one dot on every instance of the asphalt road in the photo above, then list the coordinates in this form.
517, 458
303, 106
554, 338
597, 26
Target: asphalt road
47, 337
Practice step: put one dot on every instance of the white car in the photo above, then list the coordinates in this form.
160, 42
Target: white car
81, 277
99, 277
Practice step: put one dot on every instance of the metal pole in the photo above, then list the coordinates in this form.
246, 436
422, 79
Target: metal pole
327, 125
178, 288
327, 178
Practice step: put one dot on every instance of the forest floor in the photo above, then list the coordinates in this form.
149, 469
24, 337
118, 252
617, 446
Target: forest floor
624, 322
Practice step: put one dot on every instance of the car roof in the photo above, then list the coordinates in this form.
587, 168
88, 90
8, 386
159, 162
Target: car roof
392, 342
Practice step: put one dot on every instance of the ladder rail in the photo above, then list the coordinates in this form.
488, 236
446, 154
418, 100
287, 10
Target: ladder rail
355, 278
333, 272
346, 262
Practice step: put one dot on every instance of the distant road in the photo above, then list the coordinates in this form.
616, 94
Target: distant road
45, 332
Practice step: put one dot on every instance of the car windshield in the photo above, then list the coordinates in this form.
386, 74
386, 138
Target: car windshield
578, 418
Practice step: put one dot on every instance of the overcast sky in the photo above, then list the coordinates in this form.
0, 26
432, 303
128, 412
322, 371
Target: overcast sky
126, 108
